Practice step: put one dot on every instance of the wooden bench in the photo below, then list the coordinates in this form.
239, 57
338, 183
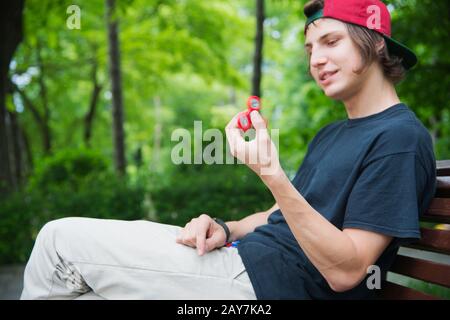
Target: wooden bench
433, 240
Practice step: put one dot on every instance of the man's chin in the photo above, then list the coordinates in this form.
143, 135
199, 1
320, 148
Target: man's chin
334, 94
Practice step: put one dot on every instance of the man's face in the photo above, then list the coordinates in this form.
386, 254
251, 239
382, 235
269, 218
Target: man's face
333, 58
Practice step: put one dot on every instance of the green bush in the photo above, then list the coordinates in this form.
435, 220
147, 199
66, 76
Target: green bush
17, 229
68, 166
72, 183
230, 192
78, 183
98, 196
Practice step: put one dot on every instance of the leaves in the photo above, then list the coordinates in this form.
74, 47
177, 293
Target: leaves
183, 61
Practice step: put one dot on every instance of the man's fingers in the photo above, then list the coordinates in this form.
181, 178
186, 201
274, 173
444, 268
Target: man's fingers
200, 244
216, 240
260, 126
179, 238
234, 139
187, 237
232, 129
233, 135
202, 230
233, 123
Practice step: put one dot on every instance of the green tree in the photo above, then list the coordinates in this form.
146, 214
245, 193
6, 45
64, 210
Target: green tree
12, 33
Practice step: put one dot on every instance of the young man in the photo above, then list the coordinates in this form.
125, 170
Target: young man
356, 197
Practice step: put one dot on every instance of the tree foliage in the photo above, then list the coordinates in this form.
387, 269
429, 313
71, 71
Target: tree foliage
181, 61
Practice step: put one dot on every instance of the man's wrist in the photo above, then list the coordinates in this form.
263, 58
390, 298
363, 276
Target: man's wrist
275, 178
232, 227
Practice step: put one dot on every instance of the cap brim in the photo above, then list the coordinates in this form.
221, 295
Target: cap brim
395, 48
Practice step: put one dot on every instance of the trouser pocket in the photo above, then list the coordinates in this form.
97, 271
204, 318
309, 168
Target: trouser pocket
70, 275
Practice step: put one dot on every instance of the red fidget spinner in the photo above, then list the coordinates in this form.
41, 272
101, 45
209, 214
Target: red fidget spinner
244, 121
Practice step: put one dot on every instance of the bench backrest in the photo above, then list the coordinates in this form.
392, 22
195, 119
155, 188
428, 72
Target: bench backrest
432, 240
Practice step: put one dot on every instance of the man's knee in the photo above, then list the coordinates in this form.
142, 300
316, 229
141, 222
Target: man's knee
57, 229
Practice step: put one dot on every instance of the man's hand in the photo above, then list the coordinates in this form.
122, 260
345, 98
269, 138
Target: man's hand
202, 233
259, 154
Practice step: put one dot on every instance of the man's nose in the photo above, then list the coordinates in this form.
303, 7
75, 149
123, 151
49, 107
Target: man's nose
318, 59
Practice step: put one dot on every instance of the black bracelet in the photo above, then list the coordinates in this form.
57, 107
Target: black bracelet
225, 227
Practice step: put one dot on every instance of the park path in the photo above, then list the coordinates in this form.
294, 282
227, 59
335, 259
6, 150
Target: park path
11, 281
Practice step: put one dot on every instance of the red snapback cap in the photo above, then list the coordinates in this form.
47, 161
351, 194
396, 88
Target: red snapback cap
370, 14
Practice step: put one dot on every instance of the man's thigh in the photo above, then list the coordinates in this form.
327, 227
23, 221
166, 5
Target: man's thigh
141, 259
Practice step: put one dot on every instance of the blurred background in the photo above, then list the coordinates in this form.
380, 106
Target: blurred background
91, 91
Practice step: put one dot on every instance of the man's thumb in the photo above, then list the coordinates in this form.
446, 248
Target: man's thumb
257, 121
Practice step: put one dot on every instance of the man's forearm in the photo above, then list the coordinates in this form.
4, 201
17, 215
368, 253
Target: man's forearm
327, 247
238, 229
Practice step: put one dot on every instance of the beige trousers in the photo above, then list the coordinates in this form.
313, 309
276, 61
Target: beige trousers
84, 258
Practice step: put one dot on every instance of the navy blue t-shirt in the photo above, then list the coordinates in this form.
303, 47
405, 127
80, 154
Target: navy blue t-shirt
375, 173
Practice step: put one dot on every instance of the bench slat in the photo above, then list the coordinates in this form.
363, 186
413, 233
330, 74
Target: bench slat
393, 291
438, 211
424, 270
439, 206
435, 219
433, 240
442, 187
443, 167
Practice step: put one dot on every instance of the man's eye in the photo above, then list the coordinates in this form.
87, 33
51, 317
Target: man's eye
332, 42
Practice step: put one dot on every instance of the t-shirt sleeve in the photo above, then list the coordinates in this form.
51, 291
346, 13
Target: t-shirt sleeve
386, 197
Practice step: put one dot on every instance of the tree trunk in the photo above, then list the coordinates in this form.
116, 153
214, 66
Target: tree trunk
40, 120
116, 88
46, 133
257, 58
27, 151
6, 182
89, 118
17, 155
11, 33
157, 133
